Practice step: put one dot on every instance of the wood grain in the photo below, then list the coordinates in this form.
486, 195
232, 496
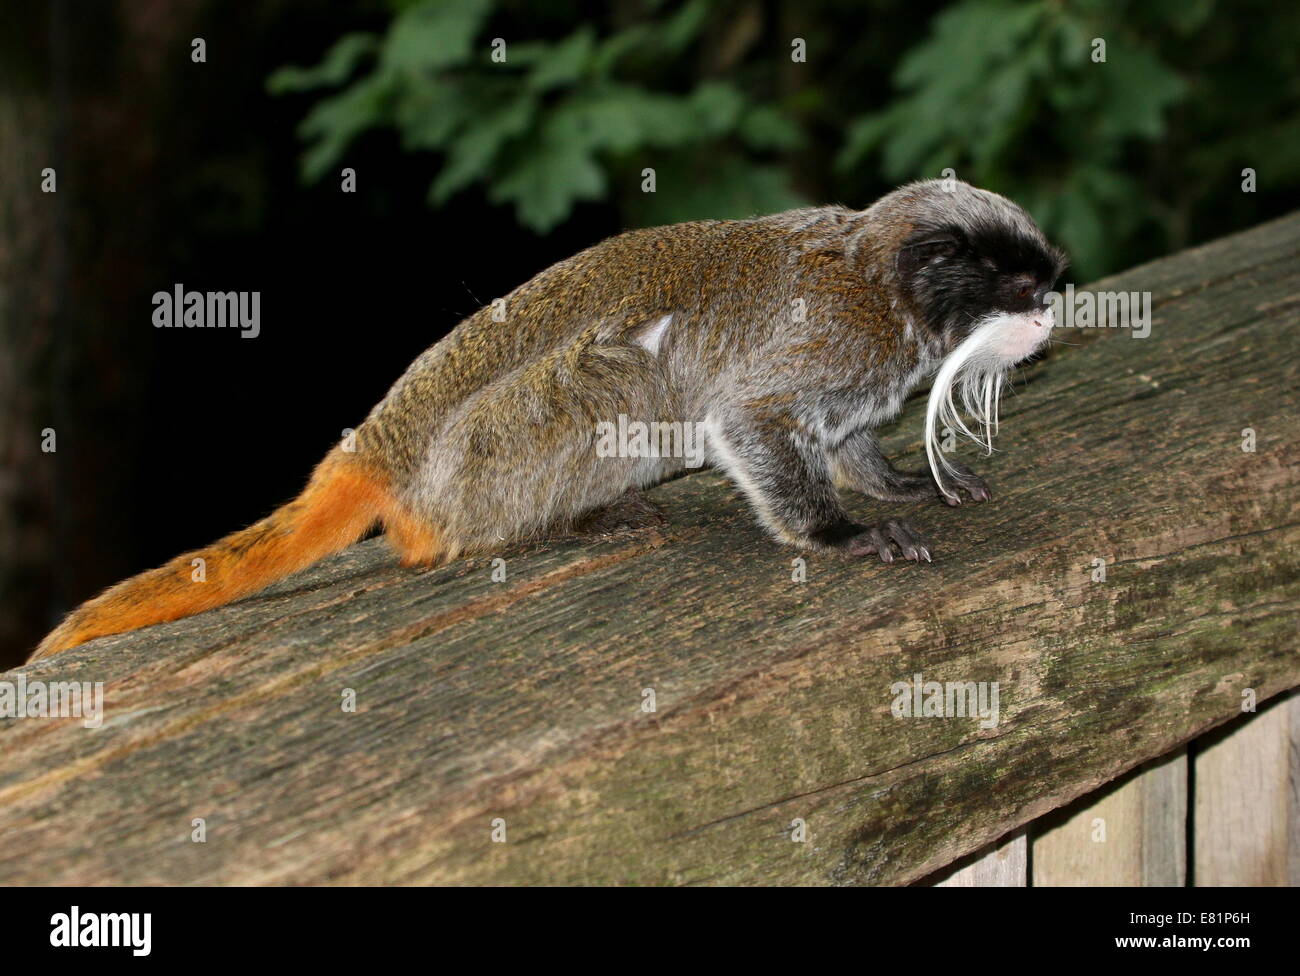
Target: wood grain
1002, 865
1246, 814
523, 702
1131, 833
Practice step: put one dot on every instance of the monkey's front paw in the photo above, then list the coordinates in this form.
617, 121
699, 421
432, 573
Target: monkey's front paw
877, 539
965, 479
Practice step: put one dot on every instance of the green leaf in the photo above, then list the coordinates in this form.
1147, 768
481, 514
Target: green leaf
972, 86
716, 106
339, 63
334, 122
1137, 89
682, 28
1077, 225
610, 119
863, 136
623, 118
765, 127
1186, 16
611, 51
476, 148
545, 182
430, 112
564, 63
434, 34
694, 187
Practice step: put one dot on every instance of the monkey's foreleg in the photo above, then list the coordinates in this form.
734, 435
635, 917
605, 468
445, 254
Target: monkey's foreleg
859, 464
787, 479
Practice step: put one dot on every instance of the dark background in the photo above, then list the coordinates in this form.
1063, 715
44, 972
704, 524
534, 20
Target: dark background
171, 171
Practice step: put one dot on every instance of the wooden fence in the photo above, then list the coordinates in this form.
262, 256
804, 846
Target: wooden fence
1222, 812
688, 703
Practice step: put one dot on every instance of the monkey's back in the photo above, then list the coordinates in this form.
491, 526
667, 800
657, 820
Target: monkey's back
705, 273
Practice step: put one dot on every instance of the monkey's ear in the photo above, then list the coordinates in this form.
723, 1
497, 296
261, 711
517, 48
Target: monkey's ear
1062, 261
921, 252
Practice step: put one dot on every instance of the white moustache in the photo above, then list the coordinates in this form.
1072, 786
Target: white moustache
976, 369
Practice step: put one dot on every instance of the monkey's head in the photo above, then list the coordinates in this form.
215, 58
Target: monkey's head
974, 261
976, 270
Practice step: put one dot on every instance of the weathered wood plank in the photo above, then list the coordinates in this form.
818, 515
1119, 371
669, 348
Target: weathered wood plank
1246, 816
1131, 833
522, 701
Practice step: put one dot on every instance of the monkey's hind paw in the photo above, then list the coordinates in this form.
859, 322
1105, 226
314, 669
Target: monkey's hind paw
967, 480
877, 539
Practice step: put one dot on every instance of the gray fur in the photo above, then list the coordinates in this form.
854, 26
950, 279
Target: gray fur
491, 432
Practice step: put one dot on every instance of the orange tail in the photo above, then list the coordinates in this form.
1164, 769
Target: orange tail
341, 502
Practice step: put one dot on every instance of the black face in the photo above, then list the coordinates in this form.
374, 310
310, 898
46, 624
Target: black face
957, 277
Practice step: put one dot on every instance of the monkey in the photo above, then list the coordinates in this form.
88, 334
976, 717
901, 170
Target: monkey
788, 339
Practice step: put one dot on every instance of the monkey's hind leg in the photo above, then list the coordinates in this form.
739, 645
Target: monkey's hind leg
521, 458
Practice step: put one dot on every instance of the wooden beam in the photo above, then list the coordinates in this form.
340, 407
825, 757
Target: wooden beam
673, 705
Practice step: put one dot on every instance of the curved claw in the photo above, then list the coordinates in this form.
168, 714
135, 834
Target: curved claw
967, 480
880, 539
880, 545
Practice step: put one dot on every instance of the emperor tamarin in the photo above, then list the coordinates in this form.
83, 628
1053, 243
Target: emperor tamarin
787, 339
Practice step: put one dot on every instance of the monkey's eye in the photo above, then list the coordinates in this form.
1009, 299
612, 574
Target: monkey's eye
1024, 291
